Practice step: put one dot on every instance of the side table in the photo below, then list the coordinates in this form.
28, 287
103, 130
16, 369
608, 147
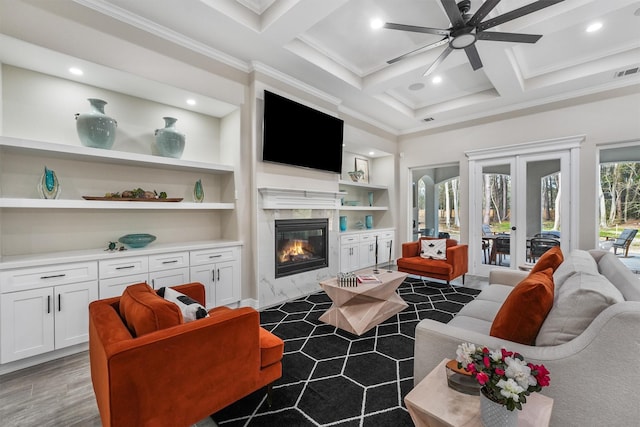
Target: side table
433, 404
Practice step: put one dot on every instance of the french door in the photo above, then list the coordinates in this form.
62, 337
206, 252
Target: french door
517, 194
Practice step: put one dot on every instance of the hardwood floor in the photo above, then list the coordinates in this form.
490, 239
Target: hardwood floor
56, 393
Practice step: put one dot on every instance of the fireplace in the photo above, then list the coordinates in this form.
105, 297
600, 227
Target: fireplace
301, 245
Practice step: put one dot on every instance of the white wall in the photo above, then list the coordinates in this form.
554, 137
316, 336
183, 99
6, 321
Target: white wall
601, 121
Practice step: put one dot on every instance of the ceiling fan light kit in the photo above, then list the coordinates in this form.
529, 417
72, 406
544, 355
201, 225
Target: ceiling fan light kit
466, 29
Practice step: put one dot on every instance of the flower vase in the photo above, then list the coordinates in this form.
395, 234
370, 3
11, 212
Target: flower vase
95, 129
368, 221
343, 223
48, 186
198, 192
494, 414
169, 142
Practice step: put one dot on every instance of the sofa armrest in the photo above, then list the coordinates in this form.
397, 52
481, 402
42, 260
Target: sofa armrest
613, 332
146, 377
498, 276
458, 258
410, 249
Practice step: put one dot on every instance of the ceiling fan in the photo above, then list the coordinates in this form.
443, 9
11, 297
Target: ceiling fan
465, 29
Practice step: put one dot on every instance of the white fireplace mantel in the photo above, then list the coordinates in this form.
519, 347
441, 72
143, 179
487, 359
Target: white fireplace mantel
290, 198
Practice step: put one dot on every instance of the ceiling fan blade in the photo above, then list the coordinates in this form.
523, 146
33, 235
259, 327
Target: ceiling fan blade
474, 57
524, 10
452, 11
438, 60
416, 29
427, 47
496, 36
483, 11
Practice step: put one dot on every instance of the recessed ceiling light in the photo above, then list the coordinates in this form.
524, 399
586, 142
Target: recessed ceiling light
436, 80
594, 27
191, 101
376, 23
76, 71
416, 86
371, 153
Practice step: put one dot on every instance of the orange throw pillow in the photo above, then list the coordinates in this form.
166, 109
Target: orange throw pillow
550, 259
144, 311
523, 312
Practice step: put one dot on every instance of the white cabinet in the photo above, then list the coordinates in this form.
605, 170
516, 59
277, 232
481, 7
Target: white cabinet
219, 270
358, 249
349, 253
50, 312
168, 269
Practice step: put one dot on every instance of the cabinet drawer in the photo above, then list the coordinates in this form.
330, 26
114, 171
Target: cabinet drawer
51, 275
367, 237
346, 240
209, 256
168, 261
386, 235
115, 286
123, 267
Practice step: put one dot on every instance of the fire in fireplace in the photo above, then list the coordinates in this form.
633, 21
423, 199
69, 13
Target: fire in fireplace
301, 245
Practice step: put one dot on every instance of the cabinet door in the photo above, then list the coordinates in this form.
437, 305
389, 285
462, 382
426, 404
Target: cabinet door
367, 256
26, 326
116, 286
349, 258
227, 282
72, 313
205, 274
177, 276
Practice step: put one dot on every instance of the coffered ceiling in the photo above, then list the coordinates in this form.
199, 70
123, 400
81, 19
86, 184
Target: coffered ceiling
330, 45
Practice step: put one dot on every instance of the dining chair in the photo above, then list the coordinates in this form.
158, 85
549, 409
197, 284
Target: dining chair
502, 245
539, 245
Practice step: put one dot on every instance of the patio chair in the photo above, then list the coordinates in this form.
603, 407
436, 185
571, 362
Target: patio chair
502, 246
624, 241
540, 245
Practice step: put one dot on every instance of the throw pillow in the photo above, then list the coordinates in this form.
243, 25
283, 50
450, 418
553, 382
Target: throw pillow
144, 311
578, 260
580, 299
190, 308
434, 248
524, 310
550, 259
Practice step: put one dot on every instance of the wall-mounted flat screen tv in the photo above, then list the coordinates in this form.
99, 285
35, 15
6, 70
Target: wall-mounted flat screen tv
294, 134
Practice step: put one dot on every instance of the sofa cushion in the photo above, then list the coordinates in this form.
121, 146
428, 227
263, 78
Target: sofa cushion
471, 324
434, 249
144, 311
497, 293
580, 299
550, 259
577, 260
524, 310
433, 266
190, 308
620, 276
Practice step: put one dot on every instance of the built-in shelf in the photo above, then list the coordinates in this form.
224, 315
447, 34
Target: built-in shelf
74, 152
291, 198
100, 204
364, 208
363, 185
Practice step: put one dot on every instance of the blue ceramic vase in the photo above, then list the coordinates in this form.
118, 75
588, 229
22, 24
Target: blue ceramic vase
169, 142
96, 129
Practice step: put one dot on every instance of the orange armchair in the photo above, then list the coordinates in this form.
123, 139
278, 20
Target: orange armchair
456, 264
181, 374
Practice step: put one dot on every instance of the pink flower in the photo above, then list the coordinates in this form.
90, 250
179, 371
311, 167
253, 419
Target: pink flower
541, 374
471, 368
482, 378
499, 371
506, 353
486, 361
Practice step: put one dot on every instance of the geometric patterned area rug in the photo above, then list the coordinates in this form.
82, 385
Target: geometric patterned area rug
334, 378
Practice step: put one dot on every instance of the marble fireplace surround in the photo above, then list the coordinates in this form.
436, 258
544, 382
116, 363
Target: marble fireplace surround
283, 203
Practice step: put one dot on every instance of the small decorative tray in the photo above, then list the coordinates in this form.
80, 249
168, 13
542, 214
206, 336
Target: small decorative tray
461, 380
132, 199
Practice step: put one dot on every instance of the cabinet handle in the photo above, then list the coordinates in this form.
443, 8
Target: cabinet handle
53, 276
153, 283
125, 267
59, 303
218, 275
170, 262
215, 256
213, 275
48, 304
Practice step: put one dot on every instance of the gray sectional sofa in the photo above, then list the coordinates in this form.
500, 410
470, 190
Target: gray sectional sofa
589, 341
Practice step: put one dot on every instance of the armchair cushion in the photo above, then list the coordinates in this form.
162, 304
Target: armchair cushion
190, 308
525, 309
434, 249
144, 311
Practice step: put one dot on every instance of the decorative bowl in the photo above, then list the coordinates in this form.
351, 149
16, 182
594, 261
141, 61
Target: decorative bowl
137, 240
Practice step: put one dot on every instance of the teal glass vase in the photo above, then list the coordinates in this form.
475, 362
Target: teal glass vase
48, 186
368, 221
343, 223
198, 192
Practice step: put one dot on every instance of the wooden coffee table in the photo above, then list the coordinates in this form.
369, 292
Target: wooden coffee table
357, 309
433, 404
